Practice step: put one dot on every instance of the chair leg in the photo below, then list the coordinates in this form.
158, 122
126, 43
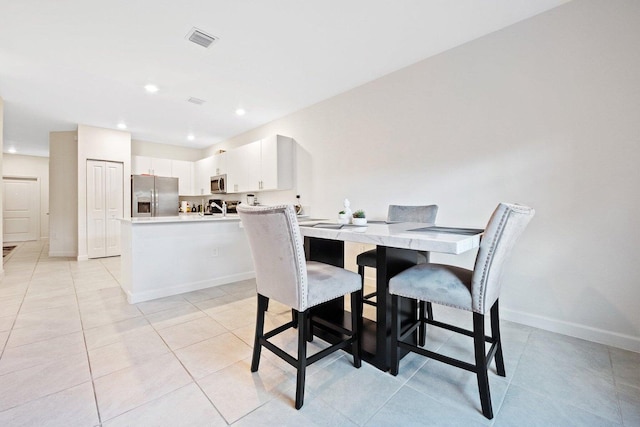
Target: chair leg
309, 331
481, 365
302, 357
356, 327
424, 312
495, 334
395, 332
263, 303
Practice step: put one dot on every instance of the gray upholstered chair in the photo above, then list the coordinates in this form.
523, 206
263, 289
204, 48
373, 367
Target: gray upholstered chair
400, 213
476, 291
282, 273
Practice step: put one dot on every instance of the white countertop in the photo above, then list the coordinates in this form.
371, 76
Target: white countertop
182, 218
399, 235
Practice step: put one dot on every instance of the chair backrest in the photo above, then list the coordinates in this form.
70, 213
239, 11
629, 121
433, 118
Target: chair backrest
426, 213
278, 253
505, 226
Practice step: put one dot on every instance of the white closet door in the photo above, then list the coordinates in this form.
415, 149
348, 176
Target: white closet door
114, 194
21, 209
104, 207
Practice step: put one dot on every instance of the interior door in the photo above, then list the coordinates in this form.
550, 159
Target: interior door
21, 209
114, 196
105, 194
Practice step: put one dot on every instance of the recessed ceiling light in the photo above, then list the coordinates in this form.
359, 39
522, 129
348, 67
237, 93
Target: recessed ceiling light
196, 101
122, 126
190, 137
240, 112
12, 150
151, 88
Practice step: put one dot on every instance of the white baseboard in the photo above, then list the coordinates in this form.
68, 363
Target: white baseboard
82, 258
588, 333
137, 297
613, 339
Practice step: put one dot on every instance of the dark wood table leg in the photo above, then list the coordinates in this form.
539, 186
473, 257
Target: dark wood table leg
376, 335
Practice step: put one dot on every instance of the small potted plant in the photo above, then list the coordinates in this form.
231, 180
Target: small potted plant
343, 217
359, 217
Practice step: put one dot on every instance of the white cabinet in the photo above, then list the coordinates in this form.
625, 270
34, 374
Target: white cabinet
261, 166
143, 165
204, 169
219, 164
183, 170
237, 170
276, 163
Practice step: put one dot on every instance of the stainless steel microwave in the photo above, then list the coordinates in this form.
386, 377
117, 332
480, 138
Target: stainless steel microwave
219, 184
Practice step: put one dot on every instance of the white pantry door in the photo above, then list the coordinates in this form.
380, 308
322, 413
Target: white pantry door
21, 209
105, 205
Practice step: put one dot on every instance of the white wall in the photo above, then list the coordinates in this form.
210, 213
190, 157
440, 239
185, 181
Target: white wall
1, 190
165, 151
15, 165
100, 144
543, 113
63, 194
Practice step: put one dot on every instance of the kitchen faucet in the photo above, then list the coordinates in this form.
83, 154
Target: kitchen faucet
223, 208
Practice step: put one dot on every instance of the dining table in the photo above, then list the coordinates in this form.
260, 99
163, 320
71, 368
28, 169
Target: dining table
396, 245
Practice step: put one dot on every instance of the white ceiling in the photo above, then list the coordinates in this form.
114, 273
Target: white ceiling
66, 62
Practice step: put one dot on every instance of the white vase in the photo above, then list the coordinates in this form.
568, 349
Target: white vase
359, 221
343, 219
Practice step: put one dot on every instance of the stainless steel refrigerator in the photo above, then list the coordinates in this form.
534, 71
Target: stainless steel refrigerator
154, 196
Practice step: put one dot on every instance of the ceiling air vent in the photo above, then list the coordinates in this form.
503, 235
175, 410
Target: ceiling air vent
196, 101
201, 38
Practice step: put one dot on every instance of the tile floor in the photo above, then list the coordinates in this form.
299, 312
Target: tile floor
75, 353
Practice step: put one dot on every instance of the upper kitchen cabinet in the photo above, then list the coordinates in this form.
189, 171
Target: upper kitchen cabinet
204, 169
238, 161
143, 165
183, 170
261, 166
276, 163
219, 163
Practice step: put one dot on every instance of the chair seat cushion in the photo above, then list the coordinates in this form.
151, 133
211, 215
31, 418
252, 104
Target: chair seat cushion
437, 283
327, 282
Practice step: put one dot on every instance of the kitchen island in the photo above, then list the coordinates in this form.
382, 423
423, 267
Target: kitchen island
164, 256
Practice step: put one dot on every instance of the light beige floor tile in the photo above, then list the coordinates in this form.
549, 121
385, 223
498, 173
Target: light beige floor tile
240, 288
167, 318
203, 294
3, 338
129, 388
209, 356
191, 332
92, 318
114, 332
214, 305
133, 349
185, 407
40, 326
26, 356
34, 319
25, 385
72, 407
233, 319
236, 391
45, 302
6, 322
161, 304
105, 294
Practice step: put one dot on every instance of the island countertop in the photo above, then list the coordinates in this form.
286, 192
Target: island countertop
181, 218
